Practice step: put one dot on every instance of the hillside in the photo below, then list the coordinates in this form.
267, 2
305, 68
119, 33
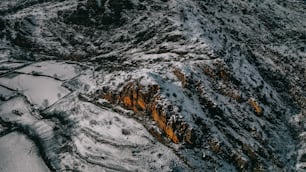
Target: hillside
159, 85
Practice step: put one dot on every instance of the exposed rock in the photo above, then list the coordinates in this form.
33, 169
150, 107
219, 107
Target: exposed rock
135, 97
180, 76
255, 106
225, 81
125, 132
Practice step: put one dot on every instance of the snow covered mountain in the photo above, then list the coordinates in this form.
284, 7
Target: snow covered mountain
153, 85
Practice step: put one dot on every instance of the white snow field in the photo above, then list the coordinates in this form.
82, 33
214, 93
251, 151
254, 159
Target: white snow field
153, 85
19, 154
57, 70
106, 140
41, 91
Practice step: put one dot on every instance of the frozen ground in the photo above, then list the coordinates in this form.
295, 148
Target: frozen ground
83, 136
5, 93
6, 67
57, 70
41, 91
19, 154
106, 140
105, 85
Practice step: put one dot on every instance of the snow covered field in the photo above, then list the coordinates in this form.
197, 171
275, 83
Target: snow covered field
5, 93
103, 139
159, 85
100, 138
57, 70
19, 153
41, 91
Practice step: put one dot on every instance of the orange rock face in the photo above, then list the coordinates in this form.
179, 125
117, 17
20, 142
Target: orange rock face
255, 105
141, 103
180, 76
162, 123
127, 101
133, 97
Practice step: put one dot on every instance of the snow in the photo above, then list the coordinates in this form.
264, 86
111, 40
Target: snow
110, 140
16, 110
45, 10
6, 94
189, 105
86, 82
19, 154
10, 65
20, 114
245, 37
58, 70
42, 91
4, 55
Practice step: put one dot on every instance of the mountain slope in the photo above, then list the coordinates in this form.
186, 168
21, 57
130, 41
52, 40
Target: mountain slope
220, 84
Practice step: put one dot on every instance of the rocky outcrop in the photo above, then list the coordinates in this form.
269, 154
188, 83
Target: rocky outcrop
224, 78
145, 101
252, 102
99, 12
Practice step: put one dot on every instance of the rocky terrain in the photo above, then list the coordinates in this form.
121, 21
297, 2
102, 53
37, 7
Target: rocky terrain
153, 85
